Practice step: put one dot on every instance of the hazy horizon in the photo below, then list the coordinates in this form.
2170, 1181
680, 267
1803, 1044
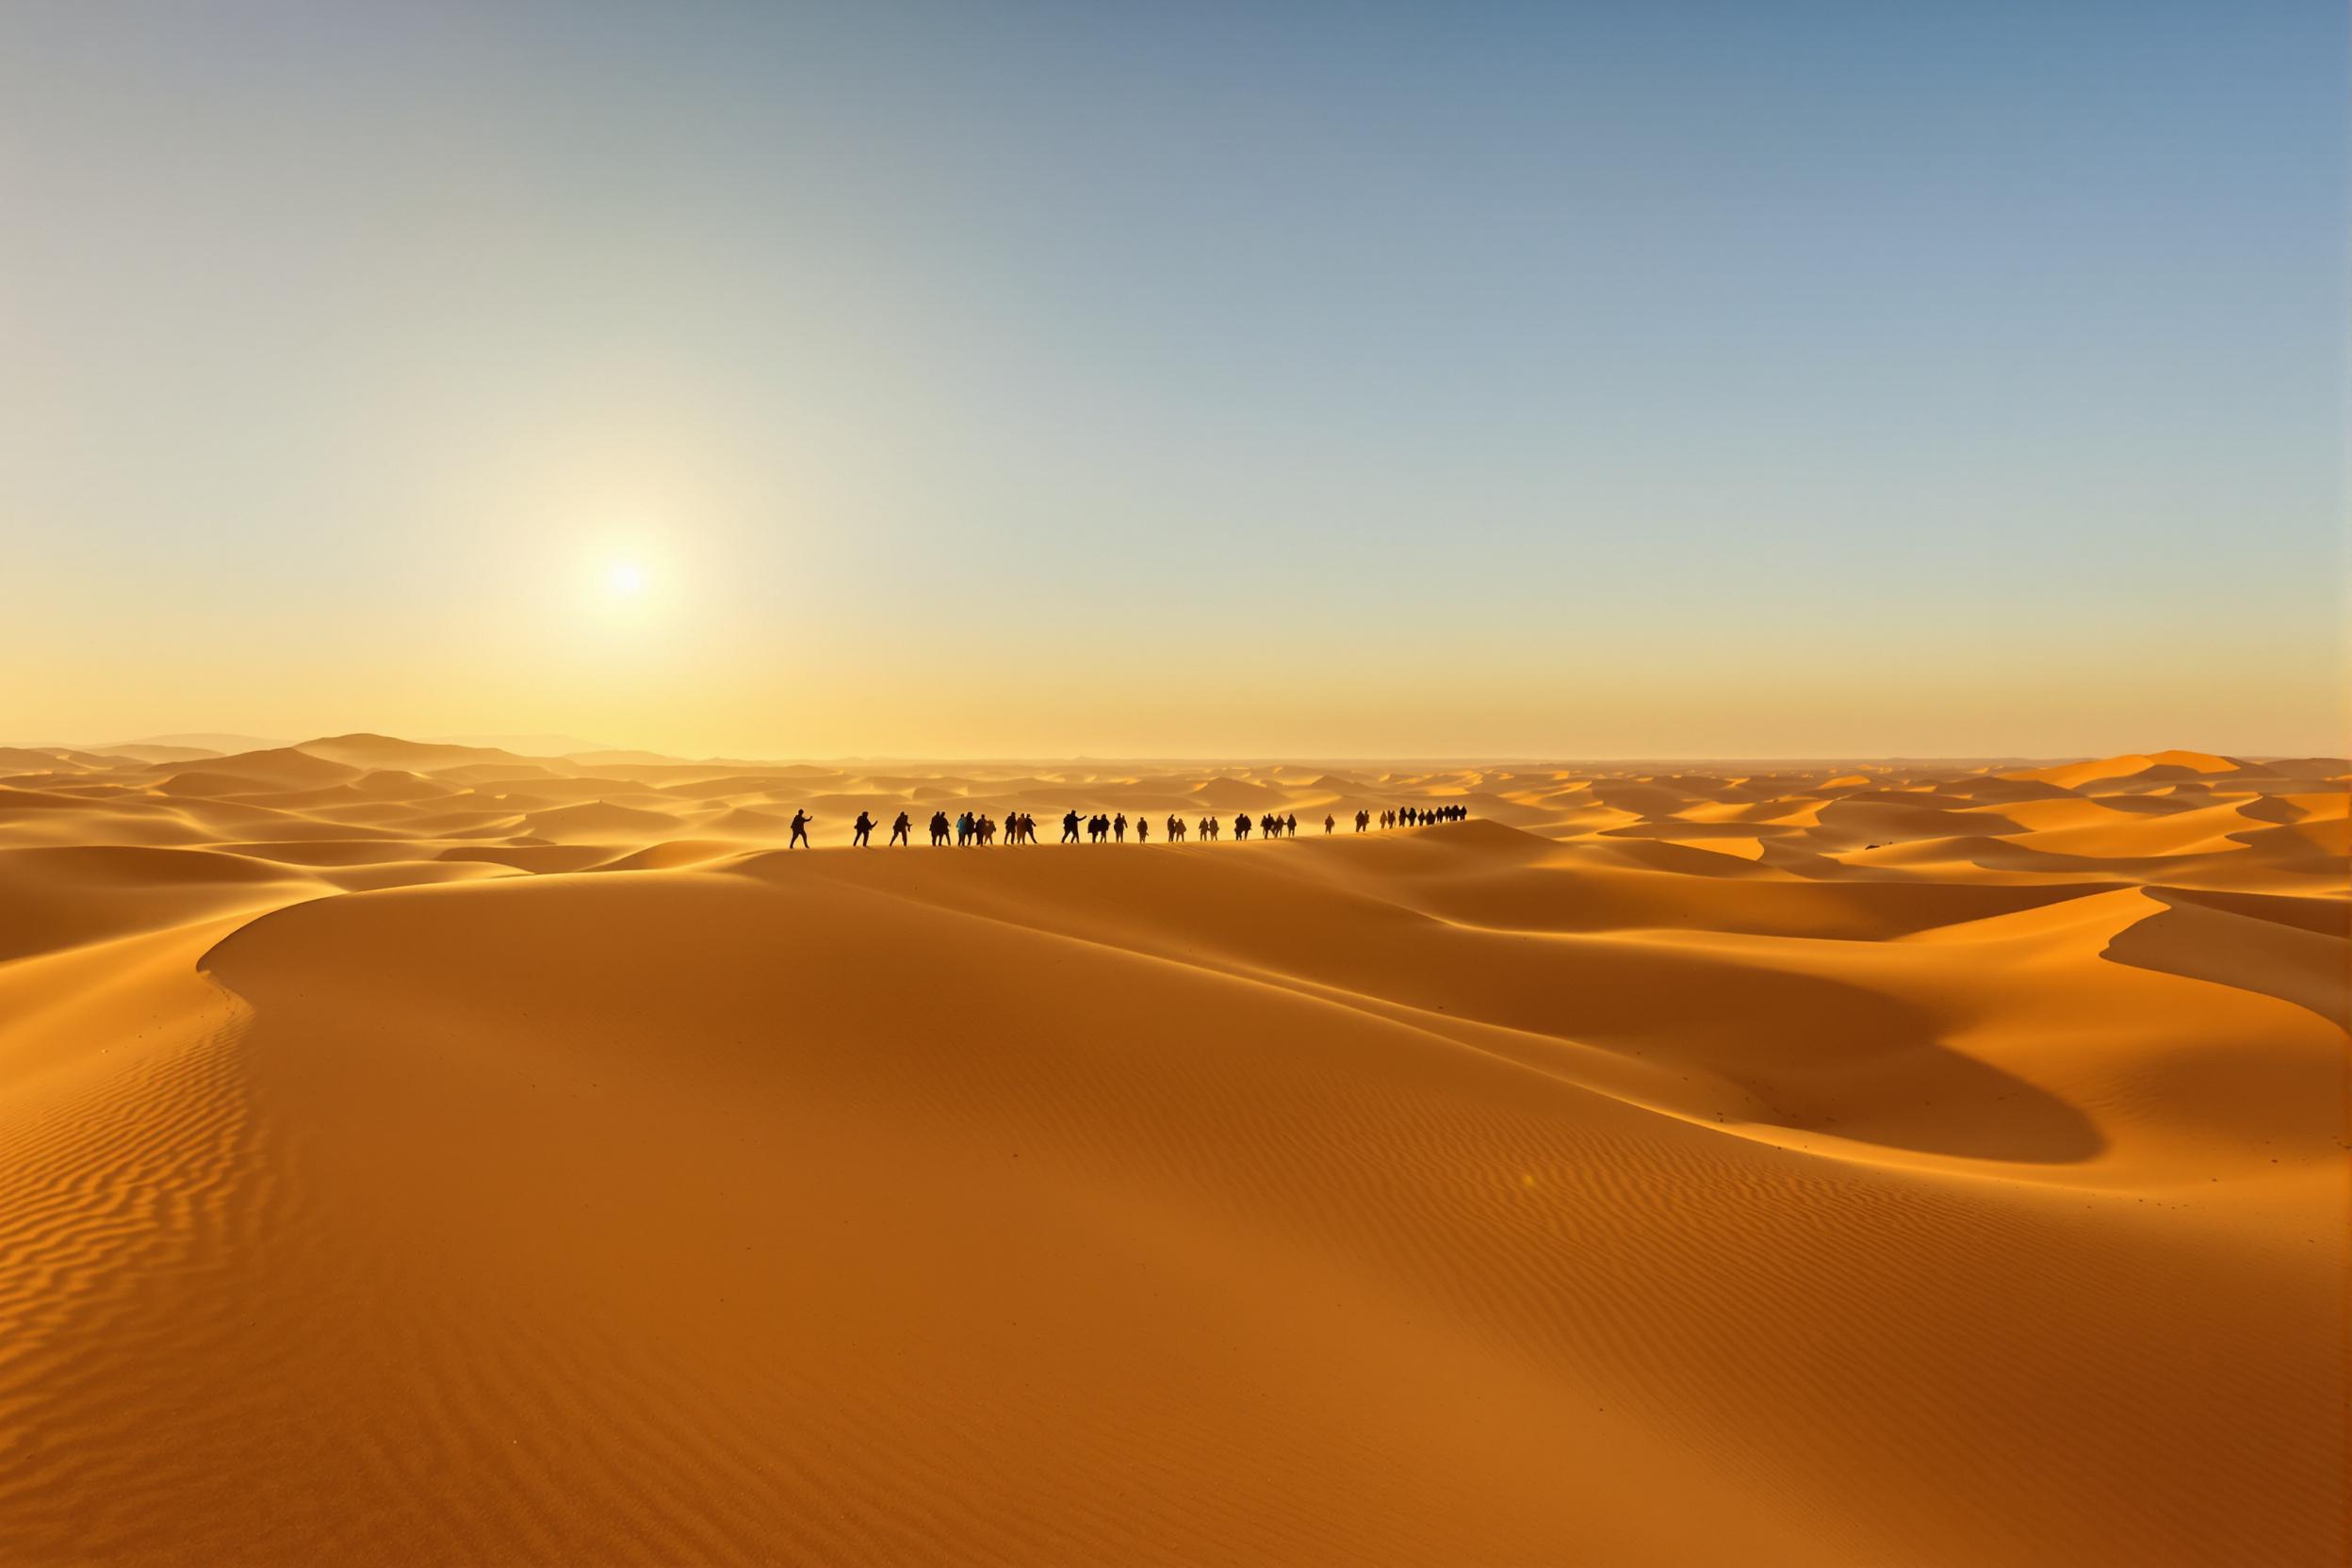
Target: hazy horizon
1605, 381
516, 743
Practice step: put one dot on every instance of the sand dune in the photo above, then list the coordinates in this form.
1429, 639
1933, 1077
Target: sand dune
414, 1155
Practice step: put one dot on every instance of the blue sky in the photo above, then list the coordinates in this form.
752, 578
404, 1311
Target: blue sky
1672, 380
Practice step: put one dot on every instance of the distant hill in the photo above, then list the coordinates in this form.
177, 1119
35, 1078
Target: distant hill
628, 758
274, 768
142, 751
200, 742
2150, 767
531, 745
33, 759
364, 750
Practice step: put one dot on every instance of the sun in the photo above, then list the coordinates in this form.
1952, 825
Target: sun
625, 578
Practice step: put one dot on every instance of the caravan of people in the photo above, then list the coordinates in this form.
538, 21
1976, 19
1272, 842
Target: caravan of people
970, 828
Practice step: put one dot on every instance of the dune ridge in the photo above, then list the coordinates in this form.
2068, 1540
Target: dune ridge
428, 1153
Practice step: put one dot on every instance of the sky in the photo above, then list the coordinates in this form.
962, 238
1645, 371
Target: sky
988, 379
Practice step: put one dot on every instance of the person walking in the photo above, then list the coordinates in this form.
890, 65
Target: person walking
1241, 824
1118, 828
938, 829
1143, 830
800, 831
1069, 827
898, 830
1328, 823
861, 831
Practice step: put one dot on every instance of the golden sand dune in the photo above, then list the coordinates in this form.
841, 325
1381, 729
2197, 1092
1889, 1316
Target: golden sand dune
419, 1154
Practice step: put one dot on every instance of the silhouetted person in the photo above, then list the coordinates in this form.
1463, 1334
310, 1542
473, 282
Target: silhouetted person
1290, 825
800, 830
1118, 828
1330, 822
861, 830
1069, 828
1241, 824
938, 829
1209, 827
898, 830
1143, 830
1363, 819
1175, 829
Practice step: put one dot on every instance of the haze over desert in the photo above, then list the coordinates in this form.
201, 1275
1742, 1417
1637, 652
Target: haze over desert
415, 1154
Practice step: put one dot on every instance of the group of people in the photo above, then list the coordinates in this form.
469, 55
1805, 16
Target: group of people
973, 828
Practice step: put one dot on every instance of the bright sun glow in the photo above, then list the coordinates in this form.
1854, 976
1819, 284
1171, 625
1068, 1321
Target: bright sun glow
625, 578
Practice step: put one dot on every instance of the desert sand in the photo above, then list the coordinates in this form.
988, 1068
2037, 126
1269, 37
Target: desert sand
423, 1154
